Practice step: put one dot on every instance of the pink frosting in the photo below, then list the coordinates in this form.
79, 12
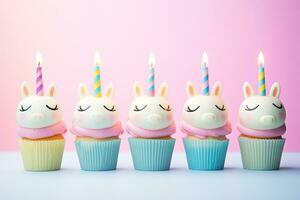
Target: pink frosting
37, 133
140, 132
113, 131
262, 133
203, 133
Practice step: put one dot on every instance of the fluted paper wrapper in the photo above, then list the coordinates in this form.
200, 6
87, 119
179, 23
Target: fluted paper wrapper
98, 155
151, 154
42, 155
261, 154
205, 154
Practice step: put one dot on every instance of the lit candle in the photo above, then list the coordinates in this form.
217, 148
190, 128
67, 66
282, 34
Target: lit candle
261, 75
205, 78
97, 75
39, 75
151, 79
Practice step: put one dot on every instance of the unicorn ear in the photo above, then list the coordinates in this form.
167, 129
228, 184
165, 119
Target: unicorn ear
83, 91
248, 90
217, 89
109, 91
138, 89
163, 90
190, 89
25, 90
275, 90
52, 90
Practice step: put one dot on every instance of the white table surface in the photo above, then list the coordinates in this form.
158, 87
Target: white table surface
125, 183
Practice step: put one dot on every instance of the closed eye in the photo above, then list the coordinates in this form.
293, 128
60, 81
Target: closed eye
139, 109
166, 109
222, 108
110, 109
251, 109
24, 109
192, 110
54, 108
80, 109
279, 107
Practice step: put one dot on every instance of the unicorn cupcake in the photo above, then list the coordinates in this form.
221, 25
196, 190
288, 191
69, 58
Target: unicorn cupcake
97, 127
40, 126
261, 123
205, 122
151, 125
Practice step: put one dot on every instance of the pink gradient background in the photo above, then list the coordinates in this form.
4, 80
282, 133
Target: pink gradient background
68, 32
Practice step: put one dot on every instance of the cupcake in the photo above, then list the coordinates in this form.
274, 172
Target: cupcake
97, 129
151, 125
205, 123
41, 129
97, 126
261, 123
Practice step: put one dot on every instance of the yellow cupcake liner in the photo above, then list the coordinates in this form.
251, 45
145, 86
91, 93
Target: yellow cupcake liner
42, 155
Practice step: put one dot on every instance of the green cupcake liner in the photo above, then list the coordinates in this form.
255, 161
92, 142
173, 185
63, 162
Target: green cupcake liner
261, 154
205, 154
151, 154
42, 155
98, 155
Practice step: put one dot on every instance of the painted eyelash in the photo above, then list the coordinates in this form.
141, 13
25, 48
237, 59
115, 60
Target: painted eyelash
24, 109
251, 109
111, 110
166, 109
279, 107
80, 109
55, 108
192, 110
137, 109
222, 108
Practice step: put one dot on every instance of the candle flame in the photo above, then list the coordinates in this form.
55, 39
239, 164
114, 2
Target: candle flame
261, 59
97, 60
204, 59
38, 59
151, 60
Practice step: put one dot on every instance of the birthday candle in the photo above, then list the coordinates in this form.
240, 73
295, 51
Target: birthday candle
205, 77
151, 79
97, 75
39, 76
261, 75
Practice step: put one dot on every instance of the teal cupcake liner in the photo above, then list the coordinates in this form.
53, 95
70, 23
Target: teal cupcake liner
261, 154
205, 154
98, 155
151, 154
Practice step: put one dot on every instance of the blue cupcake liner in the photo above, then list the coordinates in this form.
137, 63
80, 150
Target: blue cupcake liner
261, 154
98, 155
205, 154
151, 154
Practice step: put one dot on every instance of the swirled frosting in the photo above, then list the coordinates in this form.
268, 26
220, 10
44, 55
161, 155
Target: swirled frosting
203, 133
270, 133
140, 132
113, 131
38, 133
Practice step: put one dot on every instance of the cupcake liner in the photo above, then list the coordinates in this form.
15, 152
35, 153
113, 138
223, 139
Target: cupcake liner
205, 154
261, 154
98, 155
42, 155
151, 154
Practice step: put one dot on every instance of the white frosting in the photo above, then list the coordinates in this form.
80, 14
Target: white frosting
266, 115
38, 115
202, 112
96, 116
152, 117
